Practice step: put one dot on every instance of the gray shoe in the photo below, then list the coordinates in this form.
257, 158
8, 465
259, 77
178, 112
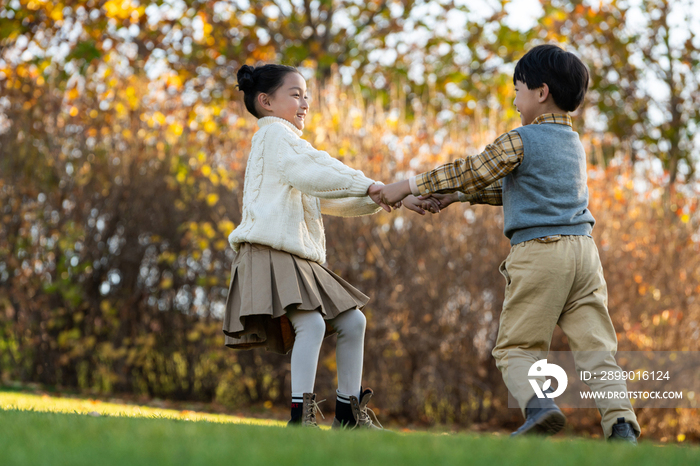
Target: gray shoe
308, 412
623, 432
364, 416
543, 417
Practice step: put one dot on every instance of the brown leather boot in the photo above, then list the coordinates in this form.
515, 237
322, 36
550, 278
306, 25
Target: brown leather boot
309, 410
364, 416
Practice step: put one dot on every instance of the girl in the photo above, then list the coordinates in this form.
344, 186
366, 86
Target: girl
280, 296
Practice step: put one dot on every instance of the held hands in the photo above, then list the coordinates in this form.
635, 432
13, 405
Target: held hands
420, 205
443, 200
393, 193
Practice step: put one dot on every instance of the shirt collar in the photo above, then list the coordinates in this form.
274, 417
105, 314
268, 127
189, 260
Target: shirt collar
556, 118
268, 120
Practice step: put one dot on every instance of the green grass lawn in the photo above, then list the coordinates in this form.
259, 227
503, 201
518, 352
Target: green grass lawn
36, 430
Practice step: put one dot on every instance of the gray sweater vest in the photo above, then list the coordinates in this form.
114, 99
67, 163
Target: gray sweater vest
547, 194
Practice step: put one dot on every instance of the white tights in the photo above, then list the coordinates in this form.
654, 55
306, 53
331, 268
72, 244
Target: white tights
310, 328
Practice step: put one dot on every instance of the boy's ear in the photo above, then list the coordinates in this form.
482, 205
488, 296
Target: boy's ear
543, 93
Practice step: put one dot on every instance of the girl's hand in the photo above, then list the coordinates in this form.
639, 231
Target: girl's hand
374, 192
394, 193
421, 205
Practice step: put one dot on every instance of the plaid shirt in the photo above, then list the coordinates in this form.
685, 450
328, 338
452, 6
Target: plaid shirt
478, 178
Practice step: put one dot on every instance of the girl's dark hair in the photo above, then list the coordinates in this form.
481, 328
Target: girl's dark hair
563, 72
264, 79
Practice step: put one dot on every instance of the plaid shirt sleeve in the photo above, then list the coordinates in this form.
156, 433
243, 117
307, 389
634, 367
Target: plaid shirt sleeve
473, 175
492, 195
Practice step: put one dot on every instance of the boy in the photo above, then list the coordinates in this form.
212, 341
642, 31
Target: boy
553, 273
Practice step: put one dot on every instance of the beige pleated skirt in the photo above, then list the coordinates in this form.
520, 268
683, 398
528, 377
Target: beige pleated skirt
266, 283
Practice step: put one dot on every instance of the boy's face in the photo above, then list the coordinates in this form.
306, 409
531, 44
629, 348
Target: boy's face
290, 101
527, 101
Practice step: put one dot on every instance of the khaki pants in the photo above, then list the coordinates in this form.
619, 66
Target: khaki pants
558, 281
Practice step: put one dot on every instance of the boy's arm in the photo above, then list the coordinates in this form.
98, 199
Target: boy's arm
491, 195
469, 175
473, 174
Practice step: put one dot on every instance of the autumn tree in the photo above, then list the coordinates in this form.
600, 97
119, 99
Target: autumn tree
645, 64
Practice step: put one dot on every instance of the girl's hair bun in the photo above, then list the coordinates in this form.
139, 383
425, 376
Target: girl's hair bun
246, 82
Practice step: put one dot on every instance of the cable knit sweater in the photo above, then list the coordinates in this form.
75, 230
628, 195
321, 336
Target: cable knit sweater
288, 185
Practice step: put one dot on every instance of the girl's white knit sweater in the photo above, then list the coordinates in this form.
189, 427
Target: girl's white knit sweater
288, 185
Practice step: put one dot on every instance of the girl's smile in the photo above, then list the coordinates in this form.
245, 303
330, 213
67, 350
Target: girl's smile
290, 101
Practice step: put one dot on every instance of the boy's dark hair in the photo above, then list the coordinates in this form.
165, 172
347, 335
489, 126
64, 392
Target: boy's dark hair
264, 79
563, 72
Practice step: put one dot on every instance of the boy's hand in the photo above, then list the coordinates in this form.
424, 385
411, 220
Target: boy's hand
443, 199
395, 192
421, 205
374, 192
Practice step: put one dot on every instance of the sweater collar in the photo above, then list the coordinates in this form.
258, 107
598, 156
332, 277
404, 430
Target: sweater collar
556, 118
268, 120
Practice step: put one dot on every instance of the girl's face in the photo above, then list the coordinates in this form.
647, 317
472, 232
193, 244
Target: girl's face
290, 100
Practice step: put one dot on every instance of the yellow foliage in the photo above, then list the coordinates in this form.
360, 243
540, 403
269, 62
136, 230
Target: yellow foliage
226, 226
174, 80
119, 9
176, 129
208, 230
357, 122
57, 13
159, 118
212, 199
210, 127
34, 5
131, 97
167, 257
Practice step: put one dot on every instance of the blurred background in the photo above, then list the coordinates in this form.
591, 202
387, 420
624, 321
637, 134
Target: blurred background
123, 145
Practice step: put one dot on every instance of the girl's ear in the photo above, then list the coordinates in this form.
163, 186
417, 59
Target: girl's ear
264, 101
543, 93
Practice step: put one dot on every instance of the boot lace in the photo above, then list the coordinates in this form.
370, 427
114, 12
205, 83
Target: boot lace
366, 417
311, 409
